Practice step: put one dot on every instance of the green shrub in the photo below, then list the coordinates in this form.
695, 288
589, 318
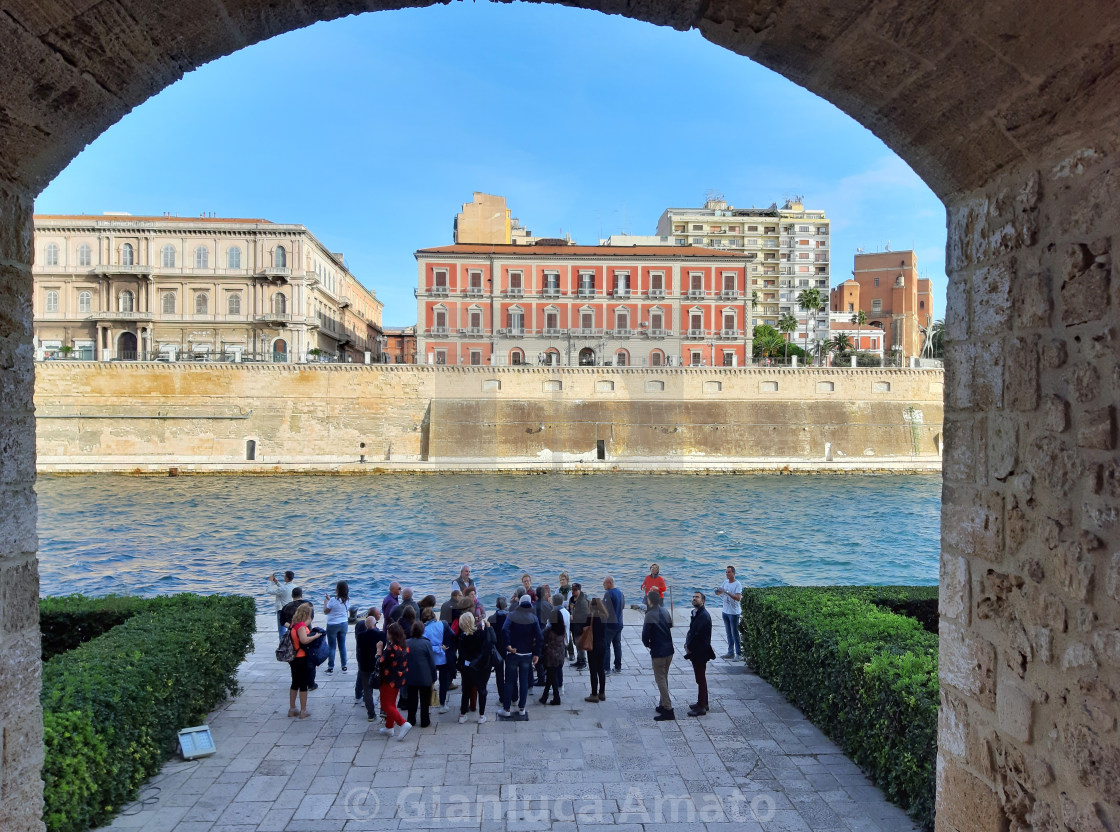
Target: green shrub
113, 706
864, 675
69, 620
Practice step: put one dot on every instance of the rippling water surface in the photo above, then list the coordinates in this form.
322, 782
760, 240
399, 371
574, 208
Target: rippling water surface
226, 534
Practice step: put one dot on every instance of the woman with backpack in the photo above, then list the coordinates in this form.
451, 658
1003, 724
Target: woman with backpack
439, 634
552, 655
597, 652
394, 668
476, 660
301, 635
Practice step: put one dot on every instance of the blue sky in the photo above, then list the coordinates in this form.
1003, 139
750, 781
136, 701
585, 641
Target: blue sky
373, 130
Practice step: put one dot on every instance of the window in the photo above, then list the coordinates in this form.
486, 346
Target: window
233, 258
126, 301
657, 282
729, 321
201, 303
587, 320
728, 361
281, 258
439, 279
729, 283
876, 305
552, 321
515, 282
622, 358
440, 319
52, 254
85, 255
202, 257
851, 308
476, 358
552, 282
167, 257
280, 303
803, 229
475, 279
85, 303
476, 319
441, 357
587, 284
52, 301
168, 303
655, 360
515, 320
126, 254
697, 228
233, 304
621, 319
696, 322
876, 281
516, 358
656, 322
921, 304
694, 358
696, 282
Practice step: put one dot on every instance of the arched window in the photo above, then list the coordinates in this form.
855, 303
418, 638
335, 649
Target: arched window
233, 258
52, 254
201, 303
202, 257
85, 255
622, 358
657, 359
233, 304
85, 303
126, 254
167, 257
516, 357
279, 304
168, 303
126, 301
281, 258
552, 357
52, 302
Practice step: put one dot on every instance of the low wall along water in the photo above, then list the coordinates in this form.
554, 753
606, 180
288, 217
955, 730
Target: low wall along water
354, 418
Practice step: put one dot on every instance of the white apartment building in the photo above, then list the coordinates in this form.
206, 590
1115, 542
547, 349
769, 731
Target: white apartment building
787, 251
118, 287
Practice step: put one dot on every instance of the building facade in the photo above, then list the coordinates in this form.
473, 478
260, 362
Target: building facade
118, 287
487, 219
399, 345
867, 338
786, 250
582, 305
885, 285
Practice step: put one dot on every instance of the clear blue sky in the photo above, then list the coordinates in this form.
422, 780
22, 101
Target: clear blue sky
372, 131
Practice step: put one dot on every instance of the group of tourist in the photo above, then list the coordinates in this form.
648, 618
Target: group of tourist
411, 651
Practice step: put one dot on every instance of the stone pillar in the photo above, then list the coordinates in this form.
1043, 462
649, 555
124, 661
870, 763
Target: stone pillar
1030, 575
21, 719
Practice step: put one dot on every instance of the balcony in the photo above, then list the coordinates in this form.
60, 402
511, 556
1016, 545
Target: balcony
659, 333
514, 292
472, 292
276, 272
513, 332
586, 291
552, 332
110, 315
438, 290
134, 270
472, 330
621, 333
696, 333
279, 318
729, 294
343, 302
622, 292
657, 293
584, 332
696, 294
728, 334
550, 292
438, 330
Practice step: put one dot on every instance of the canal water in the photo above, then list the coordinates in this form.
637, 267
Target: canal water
147, 536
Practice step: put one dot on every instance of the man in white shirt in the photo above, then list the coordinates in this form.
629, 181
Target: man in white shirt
282, 593
731, 592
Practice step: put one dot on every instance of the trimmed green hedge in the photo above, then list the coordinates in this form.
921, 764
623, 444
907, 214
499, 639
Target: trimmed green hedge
113, 706
69, 620
864, 675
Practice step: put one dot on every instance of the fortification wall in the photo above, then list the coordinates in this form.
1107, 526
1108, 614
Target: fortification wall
118, 416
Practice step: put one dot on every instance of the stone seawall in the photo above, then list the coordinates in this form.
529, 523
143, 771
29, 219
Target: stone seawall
353, 418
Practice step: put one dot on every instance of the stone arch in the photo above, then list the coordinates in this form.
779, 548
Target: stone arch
1009, 114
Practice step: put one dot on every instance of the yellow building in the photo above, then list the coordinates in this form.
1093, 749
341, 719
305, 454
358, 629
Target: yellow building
118, 287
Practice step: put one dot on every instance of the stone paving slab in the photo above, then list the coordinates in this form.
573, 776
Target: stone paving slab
753, 764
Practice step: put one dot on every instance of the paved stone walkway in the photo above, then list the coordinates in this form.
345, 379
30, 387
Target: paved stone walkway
753, 763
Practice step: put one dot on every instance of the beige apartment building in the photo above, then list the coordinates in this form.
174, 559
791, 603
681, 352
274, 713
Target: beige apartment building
119, 287
487, 219
786, 250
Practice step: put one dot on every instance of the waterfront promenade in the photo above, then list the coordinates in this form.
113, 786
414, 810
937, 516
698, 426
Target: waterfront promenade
752, 764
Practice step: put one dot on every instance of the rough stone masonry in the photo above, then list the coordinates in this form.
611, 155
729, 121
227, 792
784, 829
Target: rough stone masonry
1008, 109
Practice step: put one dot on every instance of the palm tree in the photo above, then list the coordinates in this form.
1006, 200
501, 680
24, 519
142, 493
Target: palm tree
767, 340
787, 325
859, 319
937, 338
810, 300
841, 344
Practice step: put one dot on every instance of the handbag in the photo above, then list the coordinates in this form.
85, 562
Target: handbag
435, 698
286, 651
318, 649
586, 639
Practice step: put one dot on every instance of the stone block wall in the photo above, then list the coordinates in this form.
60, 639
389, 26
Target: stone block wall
100, 416
1030, 578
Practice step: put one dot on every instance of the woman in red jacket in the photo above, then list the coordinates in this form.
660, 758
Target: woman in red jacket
653, 581
300, 635
394, 665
